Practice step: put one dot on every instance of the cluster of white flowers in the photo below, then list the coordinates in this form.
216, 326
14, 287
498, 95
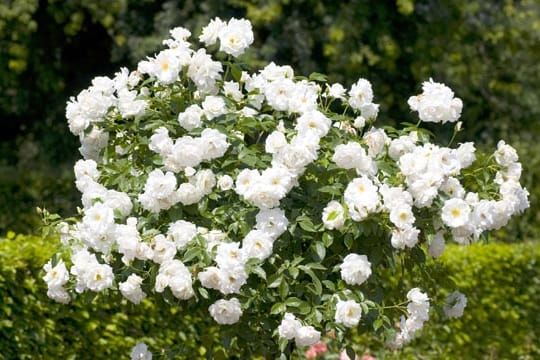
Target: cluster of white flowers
186, 151
468, 216
235, 36
175, 275
56, 277
289, 160
93, 105
418, 309
90, 273
436, 104
141, 229
291, 328
230, 275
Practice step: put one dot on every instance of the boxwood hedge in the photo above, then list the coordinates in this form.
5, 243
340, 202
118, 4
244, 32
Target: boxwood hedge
501, 321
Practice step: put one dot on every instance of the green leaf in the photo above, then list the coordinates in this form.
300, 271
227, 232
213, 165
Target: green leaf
320, 250
418, 255
335, 189
236, 72
275, 280
203, 292
306, 224
348, 241
317, 286
191, 254
293, 302
293, 271
283, 289
327, 239
329, 285
350, 352
259, 271
278, 308
283, 343
317, 77
314, 266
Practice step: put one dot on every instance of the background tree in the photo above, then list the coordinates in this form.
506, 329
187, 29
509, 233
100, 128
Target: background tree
488, 52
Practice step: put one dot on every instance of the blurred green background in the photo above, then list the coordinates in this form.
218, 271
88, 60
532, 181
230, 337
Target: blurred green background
488, 52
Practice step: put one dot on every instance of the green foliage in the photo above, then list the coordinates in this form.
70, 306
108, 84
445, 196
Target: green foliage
34, 327
528, 225
487, 51
502, 284
30, 180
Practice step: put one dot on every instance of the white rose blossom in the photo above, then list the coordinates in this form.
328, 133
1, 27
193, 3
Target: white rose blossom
355, 269
226, 312
348, 313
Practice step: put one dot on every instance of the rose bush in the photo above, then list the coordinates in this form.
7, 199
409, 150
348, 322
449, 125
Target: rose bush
267, 201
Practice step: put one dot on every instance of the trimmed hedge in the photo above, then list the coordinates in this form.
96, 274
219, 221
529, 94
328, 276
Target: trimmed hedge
501, 321
502, 317
34, 327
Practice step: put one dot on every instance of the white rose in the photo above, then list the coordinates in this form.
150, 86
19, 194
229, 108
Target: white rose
369, 111
360, 94
225, 182
189, 194
211, 277
289, 326
257, 244
99, 277
275, 141
191, 117
226, 312
355, 269
348, 313
181, 232
417, 296
376, 139
235, 37
307, 336
57, 275
505, 154
455, 212
213, 106
131, 289
333, 216
210, 32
